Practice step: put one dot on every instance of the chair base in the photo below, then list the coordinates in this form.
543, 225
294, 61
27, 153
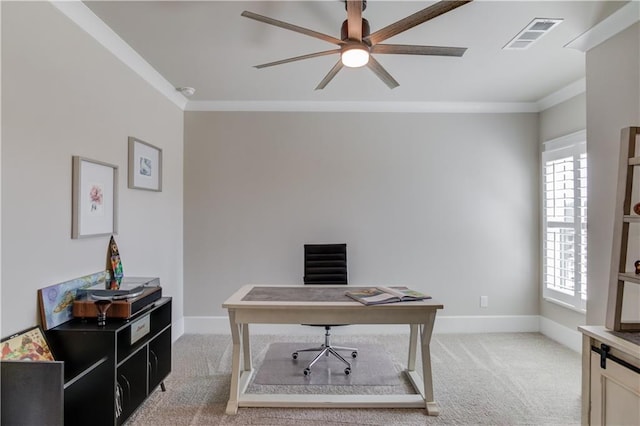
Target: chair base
327, 349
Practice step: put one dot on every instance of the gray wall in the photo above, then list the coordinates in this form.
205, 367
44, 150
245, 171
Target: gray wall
563, 119
443, 203
64, 95
613, 102
412, 194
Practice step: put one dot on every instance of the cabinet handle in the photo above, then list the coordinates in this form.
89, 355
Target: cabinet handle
128, 391
119, 401
155, 357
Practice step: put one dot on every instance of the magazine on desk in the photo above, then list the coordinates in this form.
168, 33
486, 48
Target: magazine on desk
380, 295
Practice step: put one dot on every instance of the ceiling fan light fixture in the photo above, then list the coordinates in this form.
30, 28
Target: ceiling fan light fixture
356, 42
354, 55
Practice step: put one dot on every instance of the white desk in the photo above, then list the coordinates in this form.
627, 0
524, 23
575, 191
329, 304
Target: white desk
420, 316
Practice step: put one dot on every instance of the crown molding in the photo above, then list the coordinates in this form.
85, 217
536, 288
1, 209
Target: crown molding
571, 90
566, 93
403, 107
617, 22
562, 142
82, 16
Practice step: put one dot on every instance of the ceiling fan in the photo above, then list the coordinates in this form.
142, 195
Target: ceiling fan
357, 44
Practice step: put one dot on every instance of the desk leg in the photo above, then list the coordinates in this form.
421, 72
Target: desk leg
234, 392
413, 345
246, 348
425, 340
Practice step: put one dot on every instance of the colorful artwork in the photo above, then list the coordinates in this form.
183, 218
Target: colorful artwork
56, 301
116, 265
29, 345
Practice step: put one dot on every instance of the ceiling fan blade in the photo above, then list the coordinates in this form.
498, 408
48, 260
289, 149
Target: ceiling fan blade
411, 21
327, 78
298, 58
405, 49
382, 73
291, 27
354, 18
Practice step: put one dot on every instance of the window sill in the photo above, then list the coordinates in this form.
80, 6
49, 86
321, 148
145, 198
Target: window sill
565, 305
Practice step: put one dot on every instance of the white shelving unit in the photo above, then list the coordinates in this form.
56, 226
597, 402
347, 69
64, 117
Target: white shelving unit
611, 354
622, 259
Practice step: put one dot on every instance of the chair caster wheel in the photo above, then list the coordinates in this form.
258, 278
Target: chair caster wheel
294, 355
347, 371
306, 371
354, 354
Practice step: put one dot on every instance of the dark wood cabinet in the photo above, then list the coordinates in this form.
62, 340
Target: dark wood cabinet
31, 393
109, 371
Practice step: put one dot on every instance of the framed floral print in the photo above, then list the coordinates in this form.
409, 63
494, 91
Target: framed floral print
94, 198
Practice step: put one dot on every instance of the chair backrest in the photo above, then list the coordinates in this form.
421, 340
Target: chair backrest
325, 264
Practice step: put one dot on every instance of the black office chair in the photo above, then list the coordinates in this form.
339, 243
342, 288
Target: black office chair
326, 264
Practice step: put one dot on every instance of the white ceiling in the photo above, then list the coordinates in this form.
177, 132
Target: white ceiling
209, 46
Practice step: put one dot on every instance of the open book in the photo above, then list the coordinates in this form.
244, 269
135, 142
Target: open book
380, 295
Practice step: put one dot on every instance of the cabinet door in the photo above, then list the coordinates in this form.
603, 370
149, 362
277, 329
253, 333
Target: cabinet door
159, 359
31, 393
89, 400
131, 387
615, 394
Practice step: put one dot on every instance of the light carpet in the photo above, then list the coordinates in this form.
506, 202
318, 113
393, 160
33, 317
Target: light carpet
372, 367
479, 379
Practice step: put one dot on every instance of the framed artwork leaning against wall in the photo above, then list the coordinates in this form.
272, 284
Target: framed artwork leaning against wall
27, 345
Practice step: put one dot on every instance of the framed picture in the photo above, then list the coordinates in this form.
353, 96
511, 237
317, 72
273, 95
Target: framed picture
56, 301
28, 345
94, 198
145, 165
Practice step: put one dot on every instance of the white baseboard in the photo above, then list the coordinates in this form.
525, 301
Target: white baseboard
444, 325
561, 334
177, 329
487, 324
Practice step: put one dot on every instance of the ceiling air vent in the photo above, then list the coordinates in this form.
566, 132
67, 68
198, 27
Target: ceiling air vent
532, 32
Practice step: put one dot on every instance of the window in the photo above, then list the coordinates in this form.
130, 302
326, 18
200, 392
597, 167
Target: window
564, 221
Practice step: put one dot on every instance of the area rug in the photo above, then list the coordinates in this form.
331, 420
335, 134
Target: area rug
372, 367
515, 379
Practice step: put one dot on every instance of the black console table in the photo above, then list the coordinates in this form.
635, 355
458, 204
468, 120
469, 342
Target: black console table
110, 370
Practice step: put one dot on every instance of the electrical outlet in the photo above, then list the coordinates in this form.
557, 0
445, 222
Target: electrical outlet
484, 301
